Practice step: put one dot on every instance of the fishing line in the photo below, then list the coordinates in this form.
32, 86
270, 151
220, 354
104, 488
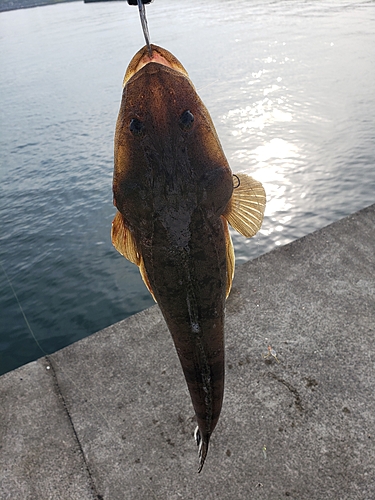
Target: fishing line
22, 311
204, 87
113, 429
146, 34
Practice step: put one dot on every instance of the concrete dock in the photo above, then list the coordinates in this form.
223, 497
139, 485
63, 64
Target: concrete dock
110, 416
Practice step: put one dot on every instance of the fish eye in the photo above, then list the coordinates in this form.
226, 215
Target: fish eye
136, 127
186, 120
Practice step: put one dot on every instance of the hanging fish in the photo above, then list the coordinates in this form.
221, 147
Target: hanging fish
175, 194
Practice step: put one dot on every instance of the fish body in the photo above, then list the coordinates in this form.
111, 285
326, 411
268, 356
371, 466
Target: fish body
173, 189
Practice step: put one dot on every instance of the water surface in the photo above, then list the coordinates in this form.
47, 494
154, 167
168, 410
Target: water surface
289, 86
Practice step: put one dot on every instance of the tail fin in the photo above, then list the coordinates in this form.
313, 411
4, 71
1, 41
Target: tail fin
202, 444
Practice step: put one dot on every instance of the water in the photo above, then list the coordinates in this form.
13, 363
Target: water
289, 86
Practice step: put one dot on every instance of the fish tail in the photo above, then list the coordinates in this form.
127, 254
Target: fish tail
202, 444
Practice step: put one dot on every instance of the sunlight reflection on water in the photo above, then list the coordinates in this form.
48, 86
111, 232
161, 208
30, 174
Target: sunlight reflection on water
289, 86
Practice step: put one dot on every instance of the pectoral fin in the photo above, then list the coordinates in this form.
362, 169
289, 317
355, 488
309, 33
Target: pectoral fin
142, 270
245, 209
124, 242
230, 257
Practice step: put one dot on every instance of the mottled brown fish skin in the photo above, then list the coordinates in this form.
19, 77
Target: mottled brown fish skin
171, 185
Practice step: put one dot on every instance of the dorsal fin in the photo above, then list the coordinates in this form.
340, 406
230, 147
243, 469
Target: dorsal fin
245, 209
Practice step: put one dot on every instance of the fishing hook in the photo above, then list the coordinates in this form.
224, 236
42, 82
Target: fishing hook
238, 180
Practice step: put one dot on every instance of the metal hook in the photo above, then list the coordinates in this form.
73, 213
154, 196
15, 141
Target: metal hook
238, 180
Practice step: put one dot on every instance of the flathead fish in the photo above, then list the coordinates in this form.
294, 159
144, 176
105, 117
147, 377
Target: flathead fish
175, 194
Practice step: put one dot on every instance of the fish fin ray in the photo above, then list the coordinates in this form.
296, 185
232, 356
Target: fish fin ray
245, 209
123, 240
230, 257
142, 270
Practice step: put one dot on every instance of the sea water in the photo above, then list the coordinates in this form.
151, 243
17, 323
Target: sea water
289, 85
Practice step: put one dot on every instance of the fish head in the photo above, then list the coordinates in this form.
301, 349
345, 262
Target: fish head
165, 141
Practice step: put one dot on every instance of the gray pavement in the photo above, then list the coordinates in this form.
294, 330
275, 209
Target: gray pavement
110, 417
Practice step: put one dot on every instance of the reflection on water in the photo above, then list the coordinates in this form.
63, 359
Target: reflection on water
289, 86
298, 119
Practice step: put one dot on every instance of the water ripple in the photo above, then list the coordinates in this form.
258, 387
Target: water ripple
289, 86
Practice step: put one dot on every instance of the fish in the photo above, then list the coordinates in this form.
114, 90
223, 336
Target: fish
175, 195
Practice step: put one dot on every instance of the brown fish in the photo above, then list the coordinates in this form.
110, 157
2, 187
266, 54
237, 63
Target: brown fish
175, 194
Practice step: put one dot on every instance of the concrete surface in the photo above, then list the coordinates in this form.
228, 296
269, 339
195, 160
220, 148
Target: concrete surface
110, 417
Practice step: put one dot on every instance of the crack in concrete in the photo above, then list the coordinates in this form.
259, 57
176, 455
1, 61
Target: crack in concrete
96, 495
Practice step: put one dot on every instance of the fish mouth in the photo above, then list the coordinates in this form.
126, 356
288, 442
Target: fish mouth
158, 55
